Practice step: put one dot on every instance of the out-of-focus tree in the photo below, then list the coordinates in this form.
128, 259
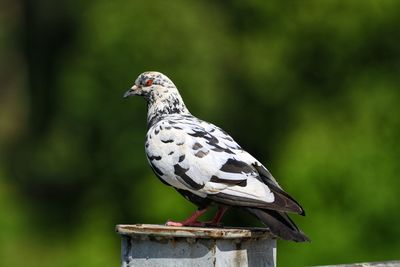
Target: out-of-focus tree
310, 88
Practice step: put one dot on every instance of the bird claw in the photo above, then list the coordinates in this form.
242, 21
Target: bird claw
171, 223
184, 223
194, 224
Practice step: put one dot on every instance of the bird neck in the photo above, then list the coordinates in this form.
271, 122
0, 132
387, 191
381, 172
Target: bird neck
160, 107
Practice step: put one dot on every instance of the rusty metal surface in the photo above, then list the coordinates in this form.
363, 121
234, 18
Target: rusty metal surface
149, 245
184, 251
162, 231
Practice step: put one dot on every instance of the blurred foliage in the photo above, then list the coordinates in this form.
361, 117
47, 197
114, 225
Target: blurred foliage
309, 87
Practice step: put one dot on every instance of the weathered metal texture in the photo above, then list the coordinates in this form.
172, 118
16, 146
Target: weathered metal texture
157, 245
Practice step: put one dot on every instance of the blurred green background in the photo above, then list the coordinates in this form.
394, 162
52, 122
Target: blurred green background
311, 88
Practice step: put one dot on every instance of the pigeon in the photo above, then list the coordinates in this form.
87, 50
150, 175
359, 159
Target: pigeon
205, 164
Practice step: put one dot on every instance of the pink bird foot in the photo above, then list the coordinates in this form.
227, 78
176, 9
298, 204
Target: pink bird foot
191, 221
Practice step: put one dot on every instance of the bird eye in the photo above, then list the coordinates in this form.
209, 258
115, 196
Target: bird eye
149, 82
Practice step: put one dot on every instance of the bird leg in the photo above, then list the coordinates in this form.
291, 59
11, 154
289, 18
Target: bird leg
191, 221
216, 221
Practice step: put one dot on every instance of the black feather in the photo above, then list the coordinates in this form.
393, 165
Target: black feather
281, 197
280, 224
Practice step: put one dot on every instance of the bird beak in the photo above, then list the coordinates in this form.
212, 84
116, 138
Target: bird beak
133, 91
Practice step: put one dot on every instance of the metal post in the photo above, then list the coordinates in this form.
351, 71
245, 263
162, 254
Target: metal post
158, 245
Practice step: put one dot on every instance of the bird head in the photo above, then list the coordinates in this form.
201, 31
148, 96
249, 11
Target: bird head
151, 85
161, 95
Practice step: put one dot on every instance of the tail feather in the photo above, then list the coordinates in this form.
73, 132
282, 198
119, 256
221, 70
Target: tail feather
280, 224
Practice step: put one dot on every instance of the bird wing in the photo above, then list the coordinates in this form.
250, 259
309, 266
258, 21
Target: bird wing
199, 157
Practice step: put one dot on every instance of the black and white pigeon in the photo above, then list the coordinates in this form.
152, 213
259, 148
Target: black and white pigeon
204, 164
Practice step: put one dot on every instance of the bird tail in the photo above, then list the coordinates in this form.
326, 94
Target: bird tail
280, 224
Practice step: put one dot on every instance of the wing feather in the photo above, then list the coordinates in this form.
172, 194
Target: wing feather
209, 163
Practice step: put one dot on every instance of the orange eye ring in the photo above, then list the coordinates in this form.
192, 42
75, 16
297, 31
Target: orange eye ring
149, 82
